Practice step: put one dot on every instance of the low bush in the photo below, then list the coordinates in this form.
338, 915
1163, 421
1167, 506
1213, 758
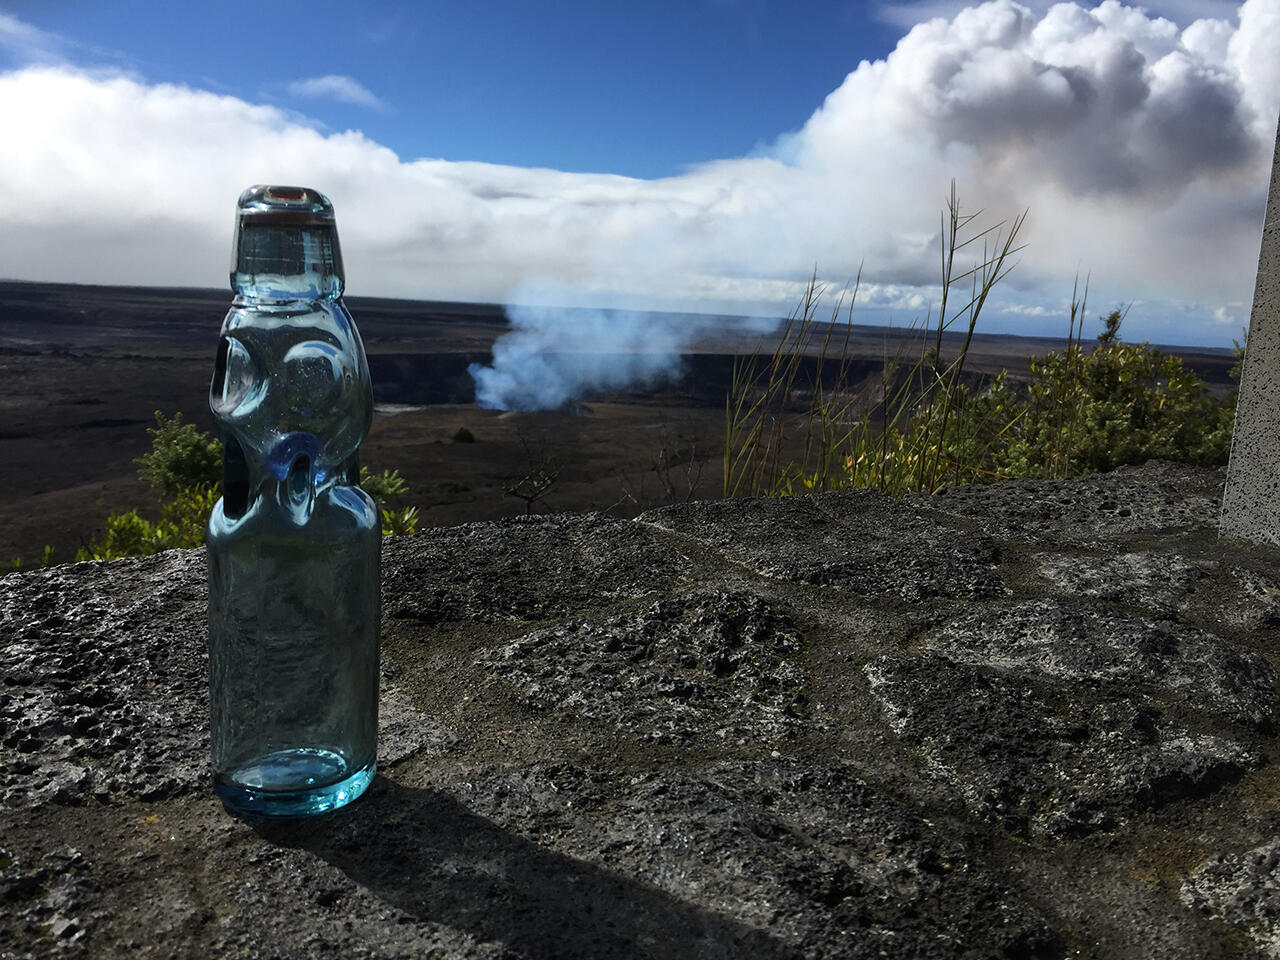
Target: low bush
184, 469
385, 487
1118, 404
927, 426
181, 457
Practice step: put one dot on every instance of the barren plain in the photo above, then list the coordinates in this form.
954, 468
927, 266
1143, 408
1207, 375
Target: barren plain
84, 368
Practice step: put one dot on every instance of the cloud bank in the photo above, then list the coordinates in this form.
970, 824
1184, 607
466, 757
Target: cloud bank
1142, 148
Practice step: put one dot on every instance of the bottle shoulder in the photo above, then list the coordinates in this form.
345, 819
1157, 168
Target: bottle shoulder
340, 513
297, 317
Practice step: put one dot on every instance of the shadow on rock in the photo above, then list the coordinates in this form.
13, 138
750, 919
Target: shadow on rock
426, 854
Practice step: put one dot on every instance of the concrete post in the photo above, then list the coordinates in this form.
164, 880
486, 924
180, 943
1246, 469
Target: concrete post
1251, 501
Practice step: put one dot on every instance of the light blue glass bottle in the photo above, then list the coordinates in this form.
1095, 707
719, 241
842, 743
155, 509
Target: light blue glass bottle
294, 543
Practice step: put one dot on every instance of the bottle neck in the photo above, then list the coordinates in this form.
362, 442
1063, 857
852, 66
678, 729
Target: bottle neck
286, 263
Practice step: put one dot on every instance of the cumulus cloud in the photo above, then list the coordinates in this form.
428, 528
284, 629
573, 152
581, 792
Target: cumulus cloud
1141, 145
335, 86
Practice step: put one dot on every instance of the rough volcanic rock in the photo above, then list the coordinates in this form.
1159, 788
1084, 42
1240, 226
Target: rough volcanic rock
1093, 510
1257, 604
715, 663
1157, 581
1002, 722
57, 895
485, 571
104, 694
1090, 645
1040, 760
105, 688
404, 730
1243, 890
811, 847
860, 541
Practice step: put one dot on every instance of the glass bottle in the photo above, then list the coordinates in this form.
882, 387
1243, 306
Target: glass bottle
294, 543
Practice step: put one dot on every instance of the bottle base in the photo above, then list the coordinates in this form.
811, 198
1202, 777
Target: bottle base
293, 783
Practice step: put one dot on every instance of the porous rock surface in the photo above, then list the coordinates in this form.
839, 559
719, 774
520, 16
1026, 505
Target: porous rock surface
1030, 720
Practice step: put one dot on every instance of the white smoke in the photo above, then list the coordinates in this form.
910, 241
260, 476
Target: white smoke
554, 354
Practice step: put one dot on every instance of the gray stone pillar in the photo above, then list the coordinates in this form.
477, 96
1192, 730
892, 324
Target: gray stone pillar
1251, 501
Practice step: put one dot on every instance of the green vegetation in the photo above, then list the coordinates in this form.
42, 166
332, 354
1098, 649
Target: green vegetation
181, 458
918, 432
184, 469
385, 487
1117, 404
926, 425
46, 558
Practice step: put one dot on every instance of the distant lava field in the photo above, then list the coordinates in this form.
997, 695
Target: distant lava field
83, 369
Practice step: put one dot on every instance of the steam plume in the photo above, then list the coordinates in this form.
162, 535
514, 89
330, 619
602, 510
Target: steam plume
553, 355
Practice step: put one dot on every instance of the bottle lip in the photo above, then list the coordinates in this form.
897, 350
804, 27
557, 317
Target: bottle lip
296, 206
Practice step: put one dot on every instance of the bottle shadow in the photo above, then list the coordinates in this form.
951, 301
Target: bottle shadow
426, 854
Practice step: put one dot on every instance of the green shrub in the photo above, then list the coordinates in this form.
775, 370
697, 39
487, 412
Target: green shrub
384, 487
181, 457
184, 467
182, 525
126, 535
46, 559
185, 517
1117, 404
399, 523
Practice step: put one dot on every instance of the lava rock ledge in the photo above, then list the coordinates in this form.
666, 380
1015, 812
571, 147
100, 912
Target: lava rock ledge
1029, 720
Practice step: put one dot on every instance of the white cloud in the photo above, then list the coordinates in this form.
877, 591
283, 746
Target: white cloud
1053, 311
28, 43
1234, 315
1150, 166
1141, 148
336, 87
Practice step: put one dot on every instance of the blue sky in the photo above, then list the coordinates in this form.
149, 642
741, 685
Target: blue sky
642, 89
702, 156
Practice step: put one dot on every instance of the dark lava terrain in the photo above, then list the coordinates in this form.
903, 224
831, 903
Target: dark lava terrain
83, 368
